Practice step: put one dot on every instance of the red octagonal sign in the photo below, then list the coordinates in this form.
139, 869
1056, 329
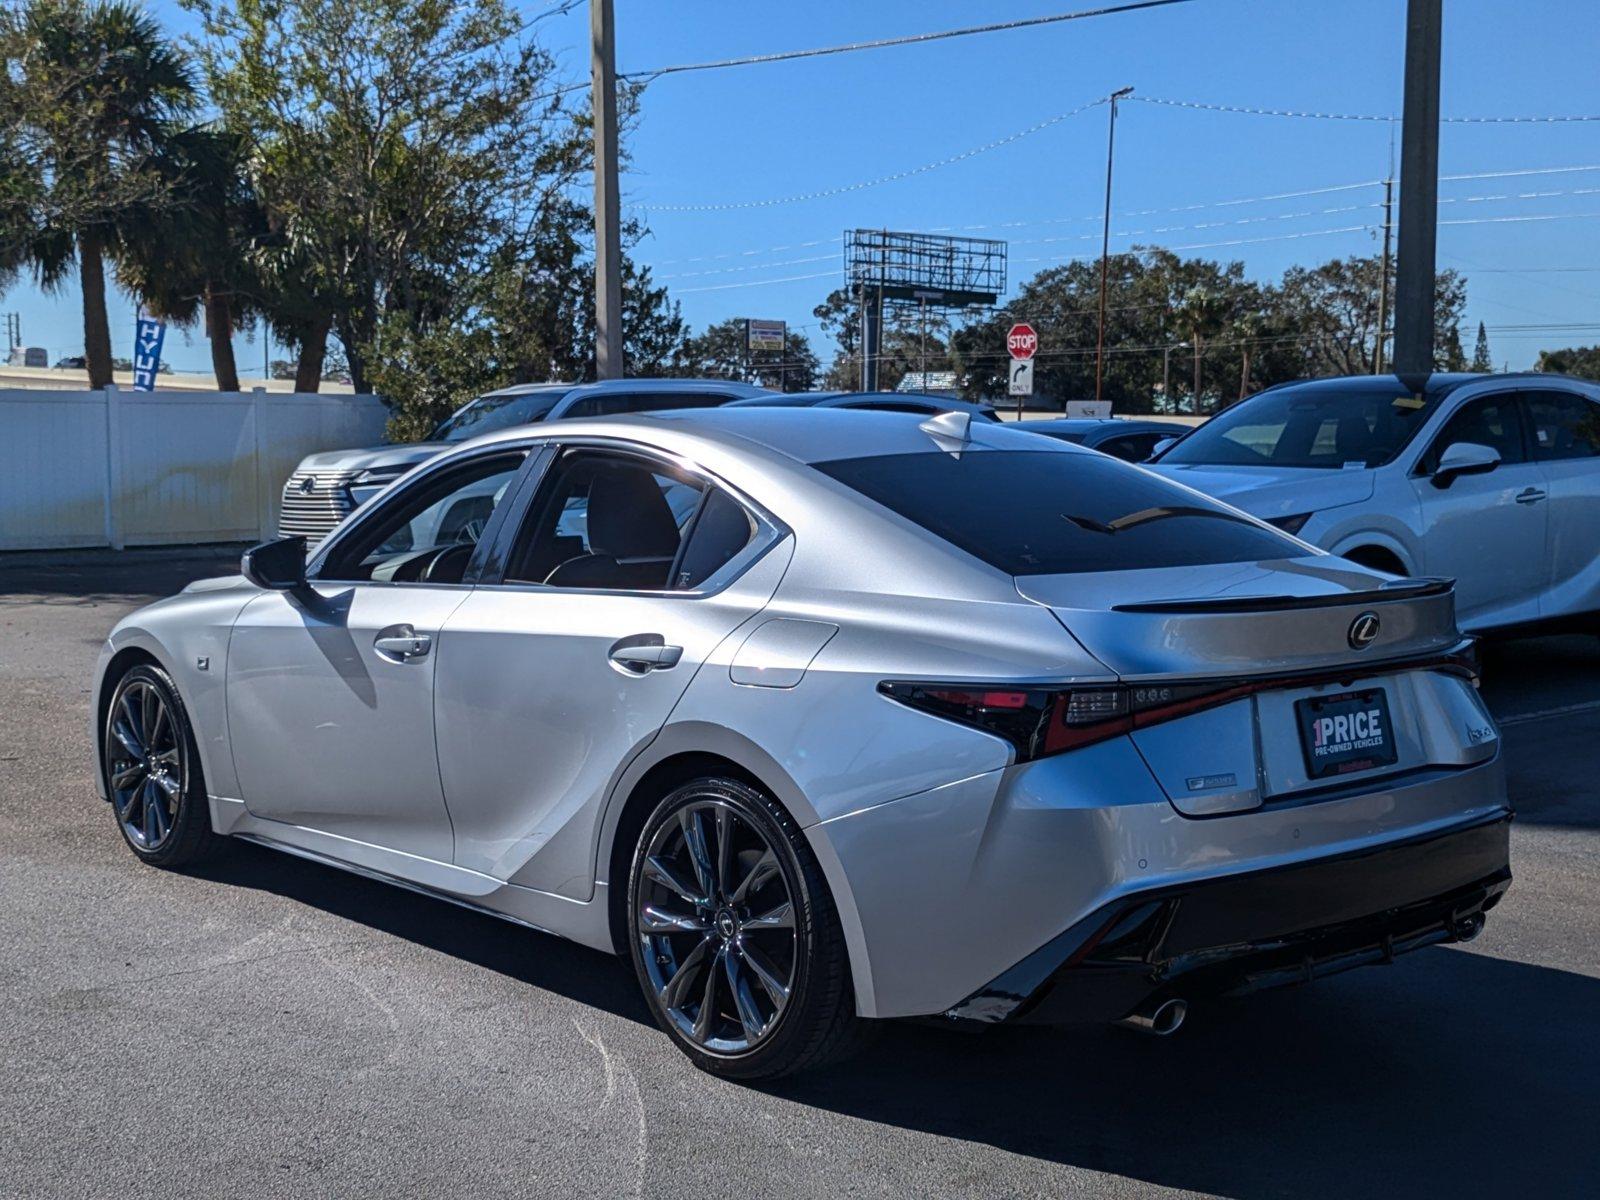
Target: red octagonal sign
1022, 341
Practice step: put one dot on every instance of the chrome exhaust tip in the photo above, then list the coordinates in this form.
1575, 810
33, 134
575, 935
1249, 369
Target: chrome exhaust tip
1467, 928
1158, 1020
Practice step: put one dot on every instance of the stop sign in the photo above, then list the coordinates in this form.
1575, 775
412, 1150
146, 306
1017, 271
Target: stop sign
1022, 341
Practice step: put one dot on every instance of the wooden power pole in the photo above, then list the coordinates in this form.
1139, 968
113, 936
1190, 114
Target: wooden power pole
1419, 194
607, 218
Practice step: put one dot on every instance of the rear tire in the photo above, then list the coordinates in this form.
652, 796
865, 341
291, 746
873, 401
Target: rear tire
152, 772
734, 936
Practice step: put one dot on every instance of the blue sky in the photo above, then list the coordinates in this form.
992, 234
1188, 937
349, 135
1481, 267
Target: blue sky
746, 136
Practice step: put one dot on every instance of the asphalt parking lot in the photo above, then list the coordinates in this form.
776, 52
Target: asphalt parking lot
272, 1027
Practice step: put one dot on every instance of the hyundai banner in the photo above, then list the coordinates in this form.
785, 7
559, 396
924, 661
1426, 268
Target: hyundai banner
147, 353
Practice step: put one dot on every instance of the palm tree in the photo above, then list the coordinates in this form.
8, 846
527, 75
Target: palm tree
1202, 313
190, 256
93, 92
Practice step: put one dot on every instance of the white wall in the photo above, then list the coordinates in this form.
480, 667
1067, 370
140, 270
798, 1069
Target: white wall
114, 468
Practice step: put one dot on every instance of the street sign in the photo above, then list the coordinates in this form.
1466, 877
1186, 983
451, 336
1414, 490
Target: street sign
147, 353
1021, 378
765, 335
1022, 341
1088, 410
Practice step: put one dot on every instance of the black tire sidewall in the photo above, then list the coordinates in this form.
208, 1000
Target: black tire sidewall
774, 1052
192, 805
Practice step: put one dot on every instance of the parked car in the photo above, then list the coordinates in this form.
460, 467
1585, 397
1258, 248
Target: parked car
327, 487
921, 403
785, 708
1490, 480
1129, 440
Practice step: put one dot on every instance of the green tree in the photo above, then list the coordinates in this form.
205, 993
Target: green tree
401, 151
1480, 353
911, 337
1333, 308
720, 353
91, 95
1581, 362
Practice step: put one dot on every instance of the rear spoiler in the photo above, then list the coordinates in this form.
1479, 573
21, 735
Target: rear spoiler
1400, 589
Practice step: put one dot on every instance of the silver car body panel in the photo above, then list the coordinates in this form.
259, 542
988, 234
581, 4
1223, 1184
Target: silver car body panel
495, 771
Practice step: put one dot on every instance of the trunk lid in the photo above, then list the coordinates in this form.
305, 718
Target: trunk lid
1248, 618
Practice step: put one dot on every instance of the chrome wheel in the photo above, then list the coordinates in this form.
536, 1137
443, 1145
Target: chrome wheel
716, 927
144, 763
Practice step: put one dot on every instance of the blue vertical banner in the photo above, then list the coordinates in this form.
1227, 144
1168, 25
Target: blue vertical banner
147, 353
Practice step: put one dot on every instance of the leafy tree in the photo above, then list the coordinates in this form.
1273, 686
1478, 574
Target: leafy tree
401, 151
1581, 362
1480, 353
720, 353
905, 344
90, 95
1334, 309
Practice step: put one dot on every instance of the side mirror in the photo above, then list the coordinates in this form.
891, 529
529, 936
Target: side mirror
1464, 458
278, 565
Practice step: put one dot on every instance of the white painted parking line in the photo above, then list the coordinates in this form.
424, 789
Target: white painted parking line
1565, 710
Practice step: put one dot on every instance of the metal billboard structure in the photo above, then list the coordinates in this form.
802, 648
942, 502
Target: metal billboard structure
922, 270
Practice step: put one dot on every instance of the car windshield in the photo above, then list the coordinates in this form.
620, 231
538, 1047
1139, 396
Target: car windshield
488, 413
1309, 425
1055, 512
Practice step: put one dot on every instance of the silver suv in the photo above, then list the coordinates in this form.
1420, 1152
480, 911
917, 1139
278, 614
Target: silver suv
327, 487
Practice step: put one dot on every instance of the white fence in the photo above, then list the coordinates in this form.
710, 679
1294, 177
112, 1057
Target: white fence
114, 468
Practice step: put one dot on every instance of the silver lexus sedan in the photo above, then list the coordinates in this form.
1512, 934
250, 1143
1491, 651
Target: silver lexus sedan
825, 717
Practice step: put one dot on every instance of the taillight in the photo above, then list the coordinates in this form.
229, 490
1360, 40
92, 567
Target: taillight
1043, 721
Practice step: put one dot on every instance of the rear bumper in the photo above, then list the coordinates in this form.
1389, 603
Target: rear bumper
1261, 929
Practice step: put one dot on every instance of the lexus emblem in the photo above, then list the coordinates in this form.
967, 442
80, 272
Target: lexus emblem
1364, 631
308, 485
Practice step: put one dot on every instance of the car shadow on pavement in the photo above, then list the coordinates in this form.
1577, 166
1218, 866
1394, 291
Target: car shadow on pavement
1450, 1074
538, 959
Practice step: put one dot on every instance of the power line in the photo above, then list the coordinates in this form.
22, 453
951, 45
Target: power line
1201, 105
907, 40
882, 179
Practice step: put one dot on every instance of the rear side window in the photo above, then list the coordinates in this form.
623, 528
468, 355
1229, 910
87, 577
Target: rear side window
1058, 512
1563, 426
720, 531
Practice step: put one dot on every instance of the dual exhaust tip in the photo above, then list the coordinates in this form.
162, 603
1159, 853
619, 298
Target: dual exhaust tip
1159, 1019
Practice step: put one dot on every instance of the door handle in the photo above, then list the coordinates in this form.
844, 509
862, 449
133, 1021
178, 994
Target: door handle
1530, 496
402, 643
638, 660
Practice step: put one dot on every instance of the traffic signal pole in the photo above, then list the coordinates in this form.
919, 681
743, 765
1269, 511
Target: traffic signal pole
1419, 194
607, 217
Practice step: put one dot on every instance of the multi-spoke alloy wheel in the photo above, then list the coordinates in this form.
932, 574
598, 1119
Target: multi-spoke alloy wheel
146, 760
716, 927
150, 770
734, 934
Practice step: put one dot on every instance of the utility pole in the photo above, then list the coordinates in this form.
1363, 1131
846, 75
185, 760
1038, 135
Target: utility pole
607, 218
1105, 243
1419, 193
1383, 285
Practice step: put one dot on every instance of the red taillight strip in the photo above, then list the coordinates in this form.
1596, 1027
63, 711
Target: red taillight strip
1054, 733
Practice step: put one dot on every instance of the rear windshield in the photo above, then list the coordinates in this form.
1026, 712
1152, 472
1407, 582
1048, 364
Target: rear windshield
1309, 426
1054, 512
488, 413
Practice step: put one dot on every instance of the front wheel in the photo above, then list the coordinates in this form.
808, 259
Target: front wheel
152, 771
734, 935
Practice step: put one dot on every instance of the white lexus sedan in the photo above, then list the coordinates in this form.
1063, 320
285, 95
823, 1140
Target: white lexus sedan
1490, 480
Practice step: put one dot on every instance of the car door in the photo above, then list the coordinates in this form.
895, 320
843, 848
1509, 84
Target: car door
1565, 434
330, 693
624, 573
1487, 531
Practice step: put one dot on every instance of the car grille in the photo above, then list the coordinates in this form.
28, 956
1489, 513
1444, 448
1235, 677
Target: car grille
313, 503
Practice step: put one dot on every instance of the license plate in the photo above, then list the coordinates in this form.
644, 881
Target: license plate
1346, 733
